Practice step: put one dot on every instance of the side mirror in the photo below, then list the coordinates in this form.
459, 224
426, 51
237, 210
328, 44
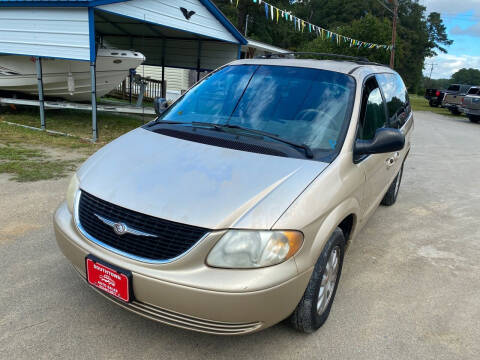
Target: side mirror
160, 105
385, 140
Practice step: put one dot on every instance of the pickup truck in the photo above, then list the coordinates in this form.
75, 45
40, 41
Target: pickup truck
454, 96
434, 97
471, 104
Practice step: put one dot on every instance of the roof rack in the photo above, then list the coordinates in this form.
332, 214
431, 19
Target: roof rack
356, 59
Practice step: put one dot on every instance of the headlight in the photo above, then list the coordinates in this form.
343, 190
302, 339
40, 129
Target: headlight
253, 249
71, 191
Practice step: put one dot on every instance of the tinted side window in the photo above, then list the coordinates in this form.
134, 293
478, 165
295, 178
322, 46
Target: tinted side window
396, 96
373, 117
453, 88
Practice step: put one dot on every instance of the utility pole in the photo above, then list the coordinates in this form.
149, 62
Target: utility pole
394, 32
431, 70
246, 24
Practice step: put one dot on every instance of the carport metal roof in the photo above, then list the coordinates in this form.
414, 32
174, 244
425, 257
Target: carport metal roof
201, 39
140, 19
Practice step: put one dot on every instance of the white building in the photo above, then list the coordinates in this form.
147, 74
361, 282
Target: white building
179, 80
189, 34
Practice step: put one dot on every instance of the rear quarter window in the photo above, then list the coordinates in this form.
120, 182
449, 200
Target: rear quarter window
396, 98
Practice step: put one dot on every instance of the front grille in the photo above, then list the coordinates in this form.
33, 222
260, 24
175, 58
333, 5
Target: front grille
171, 239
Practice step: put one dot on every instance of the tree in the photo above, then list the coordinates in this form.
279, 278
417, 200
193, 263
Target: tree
435, 83
419, 35
467, 76
437, 34
260, 28
413, 43
369, 28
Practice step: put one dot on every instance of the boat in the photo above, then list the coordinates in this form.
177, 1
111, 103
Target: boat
67, 79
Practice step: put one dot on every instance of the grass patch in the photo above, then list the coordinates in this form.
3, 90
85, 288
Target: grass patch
26, 154
77, 123
27, 170
108, 100
32, 164
419, 103
11, 153
10, 134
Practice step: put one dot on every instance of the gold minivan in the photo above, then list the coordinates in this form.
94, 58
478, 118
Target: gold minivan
231, 211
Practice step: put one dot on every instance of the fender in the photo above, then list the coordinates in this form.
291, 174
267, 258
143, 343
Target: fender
311, 250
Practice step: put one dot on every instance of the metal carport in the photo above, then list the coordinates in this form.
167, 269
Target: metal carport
191, 34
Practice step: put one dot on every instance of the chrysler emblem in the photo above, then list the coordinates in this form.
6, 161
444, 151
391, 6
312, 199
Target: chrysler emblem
121, 229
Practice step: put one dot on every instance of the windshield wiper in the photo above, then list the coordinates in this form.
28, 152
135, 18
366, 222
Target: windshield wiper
158, 121
192, 123
305, 147
221, 127
210, 125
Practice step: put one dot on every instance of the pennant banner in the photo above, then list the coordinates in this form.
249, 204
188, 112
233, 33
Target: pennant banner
274, 14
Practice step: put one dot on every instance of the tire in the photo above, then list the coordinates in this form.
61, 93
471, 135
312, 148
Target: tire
432, 103
474, 119
392, 193
454, 111
306, 317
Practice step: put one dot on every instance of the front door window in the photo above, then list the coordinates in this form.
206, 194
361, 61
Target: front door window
374, 116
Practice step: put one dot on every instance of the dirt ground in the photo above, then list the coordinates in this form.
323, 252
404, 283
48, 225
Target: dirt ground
410, 287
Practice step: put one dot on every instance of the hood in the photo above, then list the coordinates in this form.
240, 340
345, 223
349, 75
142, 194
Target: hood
194, 183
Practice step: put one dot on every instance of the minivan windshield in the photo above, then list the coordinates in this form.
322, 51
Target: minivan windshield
301, 105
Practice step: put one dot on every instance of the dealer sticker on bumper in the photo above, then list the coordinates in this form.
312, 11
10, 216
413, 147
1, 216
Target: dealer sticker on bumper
115, 282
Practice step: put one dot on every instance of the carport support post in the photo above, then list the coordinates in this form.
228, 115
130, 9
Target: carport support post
198, 59
38, 65
94, 102
162, 92
163, 88
93, 78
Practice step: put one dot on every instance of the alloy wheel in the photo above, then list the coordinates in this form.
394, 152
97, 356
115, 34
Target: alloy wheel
329, 279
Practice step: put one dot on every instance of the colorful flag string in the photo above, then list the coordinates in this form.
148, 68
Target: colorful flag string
273, 13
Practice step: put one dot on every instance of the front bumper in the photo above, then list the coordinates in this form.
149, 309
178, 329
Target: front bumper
195, 297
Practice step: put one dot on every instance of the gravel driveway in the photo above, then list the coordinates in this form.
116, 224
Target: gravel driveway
410, 286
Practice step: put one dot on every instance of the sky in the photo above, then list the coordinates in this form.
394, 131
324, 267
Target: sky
462, 19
